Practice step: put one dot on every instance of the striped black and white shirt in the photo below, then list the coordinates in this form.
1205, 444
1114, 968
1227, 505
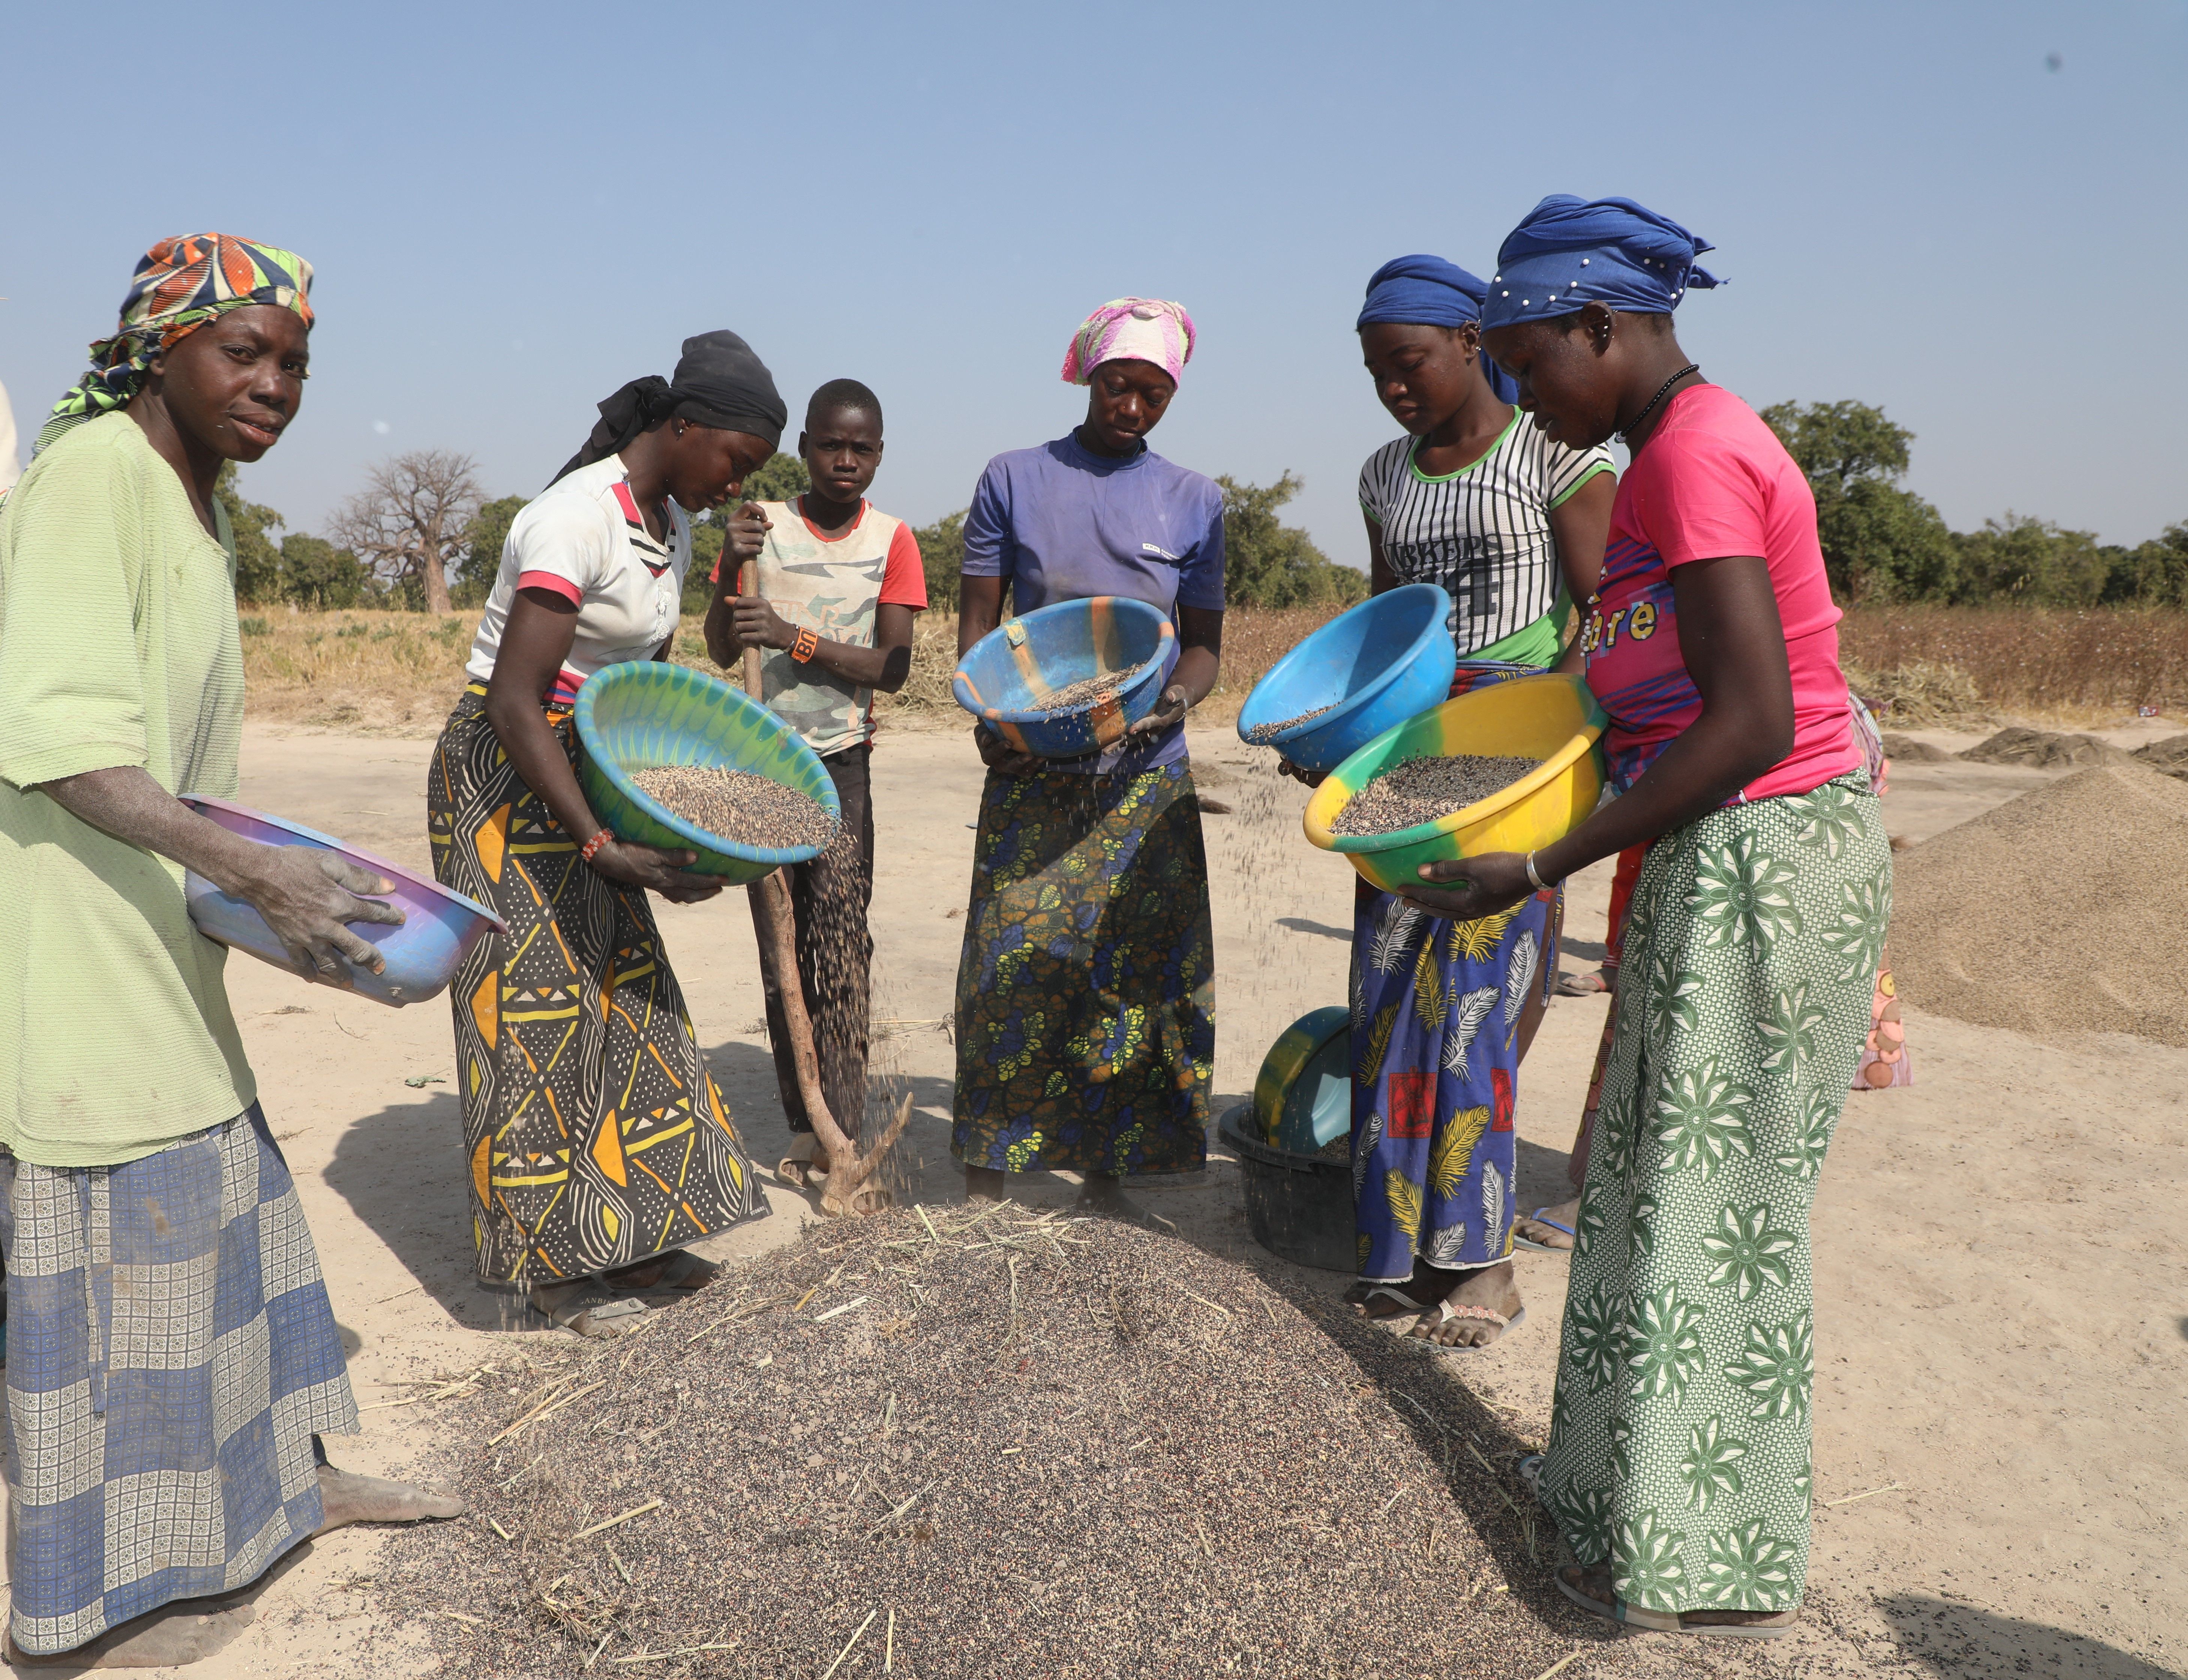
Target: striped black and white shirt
1483, 532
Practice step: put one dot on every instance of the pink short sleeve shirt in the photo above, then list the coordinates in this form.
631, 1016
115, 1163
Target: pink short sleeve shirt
1713, 481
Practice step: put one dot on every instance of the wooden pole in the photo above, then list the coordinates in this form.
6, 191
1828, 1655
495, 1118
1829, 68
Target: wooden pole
774, 918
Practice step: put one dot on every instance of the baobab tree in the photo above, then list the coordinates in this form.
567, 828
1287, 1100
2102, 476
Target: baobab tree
410, 520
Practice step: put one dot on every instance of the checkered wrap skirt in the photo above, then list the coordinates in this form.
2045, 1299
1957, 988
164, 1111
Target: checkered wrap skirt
172, 1354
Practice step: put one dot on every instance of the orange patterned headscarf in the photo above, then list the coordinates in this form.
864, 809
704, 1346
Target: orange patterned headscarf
180, 285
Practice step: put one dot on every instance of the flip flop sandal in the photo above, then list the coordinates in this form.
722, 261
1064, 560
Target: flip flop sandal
1446, 1312
1544, 1248
1409, 1310
1671, 1621
805, 1163
1531, 1473
1590, 984
593, 1313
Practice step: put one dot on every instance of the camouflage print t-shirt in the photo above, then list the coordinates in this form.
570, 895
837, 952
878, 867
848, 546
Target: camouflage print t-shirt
831, 585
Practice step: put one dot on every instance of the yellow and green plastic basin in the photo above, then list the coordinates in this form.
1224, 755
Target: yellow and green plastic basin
1552, 718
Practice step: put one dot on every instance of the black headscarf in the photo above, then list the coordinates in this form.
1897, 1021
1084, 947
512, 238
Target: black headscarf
718, 382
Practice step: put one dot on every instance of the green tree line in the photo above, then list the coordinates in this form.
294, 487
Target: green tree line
1267, 563
1883, 543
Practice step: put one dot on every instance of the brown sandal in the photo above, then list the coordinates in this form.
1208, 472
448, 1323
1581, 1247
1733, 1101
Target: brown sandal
1572, 1579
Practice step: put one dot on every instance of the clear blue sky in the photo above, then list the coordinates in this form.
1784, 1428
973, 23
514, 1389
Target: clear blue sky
514, 208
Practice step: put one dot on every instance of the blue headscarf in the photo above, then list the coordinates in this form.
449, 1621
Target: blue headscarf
1424, 290
1570, 252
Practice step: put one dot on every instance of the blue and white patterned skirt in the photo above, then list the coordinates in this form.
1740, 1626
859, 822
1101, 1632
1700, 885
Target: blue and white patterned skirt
171, 1355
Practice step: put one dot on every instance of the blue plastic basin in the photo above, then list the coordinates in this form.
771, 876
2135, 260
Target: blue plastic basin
644, 714
440, 927
1005, 679
1386, 659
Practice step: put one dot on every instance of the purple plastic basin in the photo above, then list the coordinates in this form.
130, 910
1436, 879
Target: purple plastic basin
438, 931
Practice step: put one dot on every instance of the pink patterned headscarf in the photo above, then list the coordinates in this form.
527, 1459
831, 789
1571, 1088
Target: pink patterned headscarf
1130, 329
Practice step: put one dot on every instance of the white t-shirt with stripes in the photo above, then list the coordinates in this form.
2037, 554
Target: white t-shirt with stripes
1483, 532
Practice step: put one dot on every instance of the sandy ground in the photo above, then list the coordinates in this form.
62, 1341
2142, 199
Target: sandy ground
2001, 1346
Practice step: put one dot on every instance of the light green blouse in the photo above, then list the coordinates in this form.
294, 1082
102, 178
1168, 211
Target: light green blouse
118, 646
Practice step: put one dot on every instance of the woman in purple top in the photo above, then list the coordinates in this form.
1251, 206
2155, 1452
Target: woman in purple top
1085, 995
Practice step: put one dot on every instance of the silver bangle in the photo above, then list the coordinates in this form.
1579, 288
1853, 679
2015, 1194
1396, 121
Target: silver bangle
1541, 885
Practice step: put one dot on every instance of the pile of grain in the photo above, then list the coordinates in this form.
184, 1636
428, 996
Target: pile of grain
1262, 734
1905, 749
2169, 756
2043, 750
736, 805
2057, 914
1421, 790
1001, 1445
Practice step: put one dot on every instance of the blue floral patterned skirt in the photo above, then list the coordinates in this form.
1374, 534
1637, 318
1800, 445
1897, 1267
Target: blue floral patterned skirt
1436, 1060
1435, 1064
1087, 991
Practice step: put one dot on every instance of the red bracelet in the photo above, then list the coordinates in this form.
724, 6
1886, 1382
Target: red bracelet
591, 849
802, 649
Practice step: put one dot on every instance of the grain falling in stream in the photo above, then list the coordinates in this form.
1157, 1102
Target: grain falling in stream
1421, 790
736, 805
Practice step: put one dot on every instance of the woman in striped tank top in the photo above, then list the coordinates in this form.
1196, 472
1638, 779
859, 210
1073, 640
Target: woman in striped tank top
1512, 525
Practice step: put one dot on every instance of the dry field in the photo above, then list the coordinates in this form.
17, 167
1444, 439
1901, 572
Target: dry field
1944, 664
398, 673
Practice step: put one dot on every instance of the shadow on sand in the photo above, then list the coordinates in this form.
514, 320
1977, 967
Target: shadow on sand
1966, 1643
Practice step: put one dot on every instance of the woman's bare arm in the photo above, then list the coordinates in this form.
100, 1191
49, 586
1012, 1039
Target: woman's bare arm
1580, 525
306, 896
1734, 645
537, 639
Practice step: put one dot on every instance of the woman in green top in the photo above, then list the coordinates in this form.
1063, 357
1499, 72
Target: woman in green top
1511, 526
175, 1357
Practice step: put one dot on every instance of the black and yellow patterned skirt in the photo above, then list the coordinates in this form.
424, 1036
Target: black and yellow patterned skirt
593, 1134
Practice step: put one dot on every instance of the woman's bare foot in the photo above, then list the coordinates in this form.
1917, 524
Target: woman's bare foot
346, 1497
1103, 1194
1535, 1231
1488, 1290
986, 1183
679, 1269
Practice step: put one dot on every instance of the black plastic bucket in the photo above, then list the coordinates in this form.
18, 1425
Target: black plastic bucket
1299, 1207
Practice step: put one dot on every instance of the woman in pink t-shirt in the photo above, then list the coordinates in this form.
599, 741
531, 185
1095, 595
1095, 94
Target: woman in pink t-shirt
1677, 1468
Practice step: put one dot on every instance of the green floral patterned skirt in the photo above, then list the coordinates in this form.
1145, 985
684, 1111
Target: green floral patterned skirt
1679, 1439
1087, 991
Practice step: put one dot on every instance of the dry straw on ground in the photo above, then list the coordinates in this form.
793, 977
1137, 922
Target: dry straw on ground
2057, 914
1962, 663
1002, 1444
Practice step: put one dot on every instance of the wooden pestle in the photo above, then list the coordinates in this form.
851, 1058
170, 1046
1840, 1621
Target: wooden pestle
775, 922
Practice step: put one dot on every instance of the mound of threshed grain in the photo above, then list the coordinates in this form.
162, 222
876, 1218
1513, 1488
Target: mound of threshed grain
2056, 914
1905, 749
2169, 756
978, 1442
2042, 750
